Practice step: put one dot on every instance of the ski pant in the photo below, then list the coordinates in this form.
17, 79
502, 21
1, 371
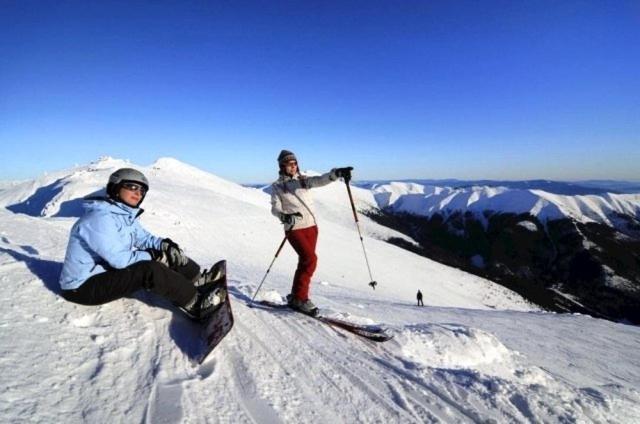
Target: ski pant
303, 242
177, 286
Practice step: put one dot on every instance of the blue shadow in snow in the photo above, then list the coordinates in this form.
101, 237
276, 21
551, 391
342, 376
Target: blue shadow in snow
34, 205
236, 293
47, 271
182, 330
75, 207
29, 249
37, 202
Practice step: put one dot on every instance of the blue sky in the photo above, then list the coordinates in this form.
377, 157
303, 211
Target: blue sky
397, 89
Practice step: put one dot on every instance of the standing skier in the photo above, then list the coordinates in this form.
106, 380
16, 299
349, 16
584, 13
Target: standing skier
110, 255
419, 296
291, 202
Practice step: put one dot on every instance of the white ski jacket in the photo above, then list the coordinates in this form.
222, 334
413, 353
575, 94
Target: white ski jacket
291, 195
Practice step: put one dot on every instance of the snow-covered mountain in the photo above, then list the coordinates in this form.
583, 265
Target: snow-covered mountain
430, 200
567, 253
477, 352
569, 188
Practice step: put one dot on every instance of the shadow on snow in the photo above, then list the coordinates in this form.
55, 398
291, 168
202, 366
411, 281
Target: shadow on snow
45, 270
36, 204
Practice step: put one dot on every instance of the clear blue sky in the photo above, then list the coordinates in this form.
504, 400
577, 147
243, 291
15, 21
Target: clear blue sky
398, 89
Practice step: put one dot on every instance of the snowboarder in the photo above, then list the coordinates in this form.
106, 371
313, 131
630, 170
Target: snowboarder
110, 255
419, 296
291, 202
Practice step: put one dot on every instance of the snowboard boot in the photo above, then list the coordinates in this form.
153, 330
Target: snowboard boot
305, 306
205, 304
206, 281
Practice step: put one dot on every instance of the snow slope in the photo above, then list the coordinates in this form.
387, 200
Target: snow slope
477, 351
429, 200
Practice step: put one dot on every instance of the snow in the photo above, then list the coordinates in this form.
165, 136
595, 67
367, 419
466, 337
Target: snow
428, 200
618, 282
452, 347
528, 225
475, 352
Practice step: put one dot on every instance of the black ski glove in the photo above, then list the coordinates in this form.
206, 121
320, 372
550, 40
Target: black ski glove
158, 256
290, 218
344, 173
175, 255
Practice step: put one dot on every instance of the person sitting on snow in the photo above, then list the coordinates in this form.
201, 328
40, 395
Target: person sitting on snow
110, 255
291, 202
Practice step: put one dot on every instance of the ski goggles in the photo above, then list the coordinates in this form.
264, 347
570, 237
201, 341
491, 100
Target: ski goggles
135, 187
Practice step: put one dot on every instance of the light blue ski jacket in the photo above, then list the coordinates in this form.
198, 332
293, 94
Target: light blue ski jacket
107, 236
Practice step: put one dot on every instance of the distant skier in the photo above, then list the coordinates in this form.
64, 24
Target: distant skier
110, 255
419, 296
291, 202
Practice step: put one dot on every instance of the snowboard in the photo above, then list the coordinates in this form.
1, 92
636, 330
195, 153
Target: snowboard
219, 324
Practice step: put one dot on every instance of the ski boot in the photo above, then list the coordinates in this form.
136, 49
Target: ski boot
305, 306
208, 279
204, 304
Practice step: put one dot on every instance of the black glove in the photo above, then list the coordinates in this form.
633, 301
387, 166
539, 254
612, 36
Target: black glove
175, 255
158, 256
344, 173
290, 218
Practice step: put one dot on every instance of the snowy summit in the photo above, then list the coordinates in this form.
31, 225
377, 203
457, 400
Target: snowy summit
475, 352
428, 200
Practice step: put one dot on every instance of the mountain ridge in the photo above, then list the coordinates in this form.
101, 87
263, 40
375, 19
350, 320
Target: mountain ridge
429, 200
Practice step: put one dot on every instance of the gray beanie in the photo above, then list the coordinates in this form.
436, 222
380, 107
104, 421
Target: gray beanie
285, 156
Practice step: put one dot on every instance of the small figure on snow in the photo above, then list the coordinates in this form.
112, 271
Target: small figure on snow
419, 296
291, 202
110, 255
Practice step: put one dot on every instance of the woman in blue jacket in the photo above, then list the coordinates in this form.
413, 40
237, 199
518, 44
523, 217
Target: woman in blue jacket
110, 255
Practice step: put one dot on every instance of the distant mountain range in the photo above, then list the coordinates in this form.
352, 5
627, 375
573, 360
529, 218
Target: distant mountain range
567, 188
555, 187
579, 253
418, 199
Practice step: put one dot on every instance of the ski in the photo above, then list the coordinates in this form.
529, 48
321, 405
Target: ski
370, 332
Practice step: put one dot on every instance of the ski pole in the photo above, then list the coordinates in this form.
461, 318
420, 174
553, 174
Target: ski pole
373, 283
269, 269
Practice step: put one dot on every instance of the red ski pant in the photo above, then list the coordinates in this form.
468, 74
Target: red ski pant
303, 242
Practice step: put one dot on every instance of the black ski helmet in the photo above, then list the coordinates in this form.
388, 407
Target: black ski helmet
125, 175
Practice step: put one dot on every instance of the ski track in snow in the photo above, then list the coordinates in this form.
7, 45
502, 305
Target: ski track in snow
476, 353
